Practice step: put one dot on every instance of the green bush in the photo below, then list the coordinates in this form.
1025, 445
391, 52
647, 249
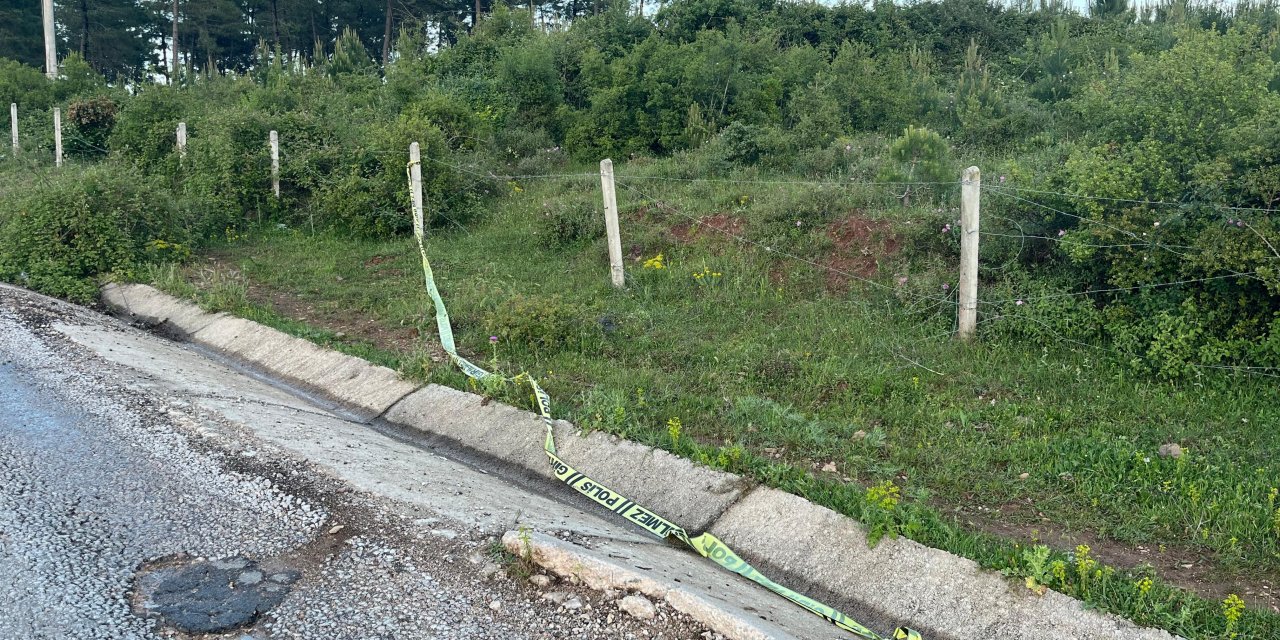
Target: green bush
921, 160
228, 165
1159, 131
540, 322
450, 195
566, 221
24, 85
145, 126
63, 233
89, 124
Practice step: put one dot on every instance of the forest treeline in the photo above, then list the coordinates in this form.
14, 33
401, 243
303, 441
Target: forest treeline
1131, 155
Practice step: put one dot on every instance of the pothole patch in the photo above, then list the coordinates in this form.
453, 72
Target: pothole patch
211, 596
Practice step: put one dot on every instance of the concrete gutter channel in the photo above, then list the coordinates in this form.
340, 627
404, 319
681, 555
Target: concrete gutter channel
805, 546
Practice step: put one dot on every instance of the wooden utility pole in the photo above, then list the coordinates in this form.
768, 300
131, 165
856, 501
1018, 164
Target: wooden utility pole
174, 38
50, 41
616, 273
970, 196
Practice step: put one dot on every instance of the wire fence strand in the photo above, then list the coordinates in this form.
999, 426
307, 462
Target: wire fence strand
1158, 203
769, 249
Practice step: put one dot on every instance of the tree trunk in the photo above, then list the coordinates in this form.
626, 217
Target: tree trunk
275, 21
208, 54
386, 39
84, 29
475, 16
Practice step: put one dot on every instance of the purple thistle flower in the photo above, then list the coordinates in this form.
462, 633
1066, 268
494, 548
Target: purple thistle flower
1019, 303
493, 339
946, 287
1062, 232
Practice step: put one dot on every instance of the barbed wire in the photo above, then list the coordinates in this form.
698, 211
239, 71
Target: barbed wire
1269, 372
1076, 243
1156, 245
1162, 203
75, 137
841, 183
1154, 285
1131, 234
772, 250
937, 300
933, 305
1185, 207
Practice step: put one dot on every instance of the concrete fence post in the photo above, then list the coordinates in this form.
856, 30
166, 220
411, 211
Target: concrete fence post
415, 189
57, 136
182, 140
13, 125
616, 273
970, 197
275, 163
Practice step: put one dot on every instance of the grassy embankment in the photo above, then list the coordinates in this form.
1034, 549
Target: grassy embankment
793, 370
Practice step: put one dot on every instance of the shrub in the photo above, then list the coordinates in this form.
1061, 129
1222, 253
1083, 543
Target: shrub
24, 85
144, 127
565, 222
919, 157
1157, 131
90, 121
228, 164
65, 232
539, 322
747, 144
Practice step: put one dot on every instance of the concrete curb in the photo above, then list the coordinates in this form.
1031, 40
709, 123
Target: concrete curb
152, 307
600, 572
941, 594
364, 389
641, 473
808, 547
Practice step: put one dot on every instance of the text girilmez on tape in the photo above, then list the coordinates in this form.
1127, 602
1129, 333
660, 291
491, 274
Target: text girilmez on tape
707, 545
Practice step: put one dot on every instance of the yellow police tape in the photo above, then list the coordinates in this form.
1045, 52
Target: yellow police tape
707, 545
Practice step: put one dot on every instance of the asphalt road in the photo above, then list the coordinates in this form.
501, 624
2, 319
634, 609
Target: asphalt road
146, 492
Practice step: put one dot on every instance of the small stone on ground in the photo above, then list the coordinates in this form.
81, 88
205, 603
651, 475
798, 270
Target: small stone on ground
638, 607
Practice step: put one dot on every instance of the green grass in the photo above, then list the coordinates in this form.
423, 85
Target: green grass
774, 373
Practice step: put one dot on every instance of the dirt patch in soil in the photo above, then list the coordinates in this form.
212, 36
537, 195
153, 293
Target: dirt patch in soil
720, 225
859, 244
1188, 569
348, 325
